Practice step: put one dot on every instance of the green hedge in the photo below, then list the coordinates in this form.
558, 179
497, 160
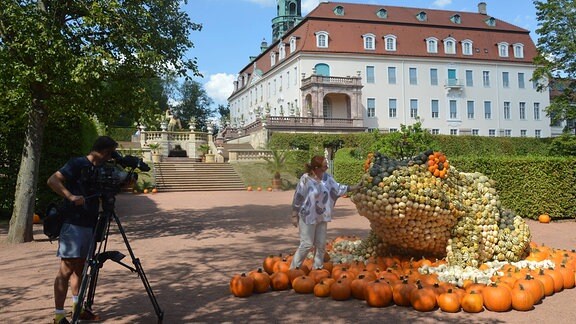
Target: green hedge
347, 168
529, 185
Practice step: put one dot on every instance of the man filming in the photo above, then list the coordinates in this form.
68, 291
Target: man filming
81, 213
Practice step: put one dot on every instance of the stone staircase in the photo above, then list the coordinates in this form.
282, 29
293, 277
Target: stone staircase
176, 174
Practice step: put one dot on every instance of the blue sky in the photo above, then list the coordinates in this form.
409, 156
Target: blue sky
232, 31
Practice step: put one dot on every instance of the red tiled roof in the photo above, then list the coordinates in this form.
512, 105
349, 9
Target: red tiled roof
345, 33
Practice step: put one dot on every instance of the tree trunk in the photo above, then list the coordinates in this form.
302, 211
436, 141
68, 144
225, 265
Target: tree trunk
24, 200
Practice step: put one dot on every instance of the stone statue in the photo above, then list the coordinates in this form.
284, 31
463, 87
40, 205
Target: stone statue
173, 121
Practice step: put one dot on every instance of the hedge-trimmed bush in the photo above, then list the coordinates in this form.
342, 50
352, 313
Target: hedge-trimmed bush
530, 186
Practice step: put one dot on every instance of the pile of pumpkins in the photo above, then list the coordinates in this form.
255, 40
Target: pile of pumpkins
423, 206
392, 280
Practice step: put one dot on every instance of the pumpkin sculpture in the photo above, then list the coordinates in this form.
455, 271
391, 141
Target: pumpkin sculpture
423, 206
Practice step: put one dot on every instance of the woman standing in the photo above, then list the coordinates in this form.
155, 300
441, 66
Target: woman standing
314, 199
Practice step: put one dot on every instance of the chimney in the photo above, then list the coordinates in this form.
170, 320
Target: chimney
482, 8
263, 45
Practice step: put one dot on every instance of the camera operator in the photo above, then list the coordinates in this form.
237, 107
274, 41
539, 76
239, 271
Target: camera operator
72, 183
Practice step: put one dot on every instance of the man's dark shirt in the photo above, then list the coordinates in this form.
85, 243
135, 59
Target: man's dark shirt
75, 171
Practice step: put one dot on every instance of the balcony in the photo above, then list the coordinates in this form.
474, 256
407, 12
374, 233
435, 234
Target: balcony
453, 84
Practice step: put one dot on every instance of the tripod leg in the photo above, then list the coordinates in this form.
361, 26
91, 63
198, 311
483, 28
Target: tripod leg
91, 269
140, 271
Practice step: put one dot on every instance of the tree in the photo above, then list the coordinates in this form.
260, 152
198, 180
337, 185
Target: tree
224, 112
194, 103
556, 59
82, 57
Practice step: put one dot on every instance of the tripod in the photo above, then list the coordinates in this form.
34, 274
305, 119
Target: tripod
97, 255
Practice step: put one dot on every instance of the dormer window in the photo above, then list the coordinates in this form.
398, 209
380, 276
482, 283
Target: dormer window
369, 41
432, 45
292, 44
382, 13
281, 51
503, 49
272, 58
490, 21
322, 39
449, 45
421, 16
390, 43
339, 11
467, 48
456, 19
518, 50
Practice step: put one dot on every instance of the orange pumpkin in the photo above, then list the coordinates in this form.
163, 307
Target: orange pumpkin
303, 285
340, 290
322, 289
242, 285
261, 280
473, 302
358, 285
449, 302
544, 218
522, 299
401, 292
378, 293
423, 299
269, 261
497, 298
279, 281
547, 281
154, 190
295, 273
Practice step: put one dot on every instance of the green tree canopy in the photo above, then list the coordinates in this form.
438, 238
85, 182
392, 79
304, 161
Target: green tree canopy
556, 60
194, 103
82, 57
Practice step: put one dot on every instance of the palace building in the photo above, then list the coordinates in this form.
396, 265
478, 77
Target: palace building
360, 67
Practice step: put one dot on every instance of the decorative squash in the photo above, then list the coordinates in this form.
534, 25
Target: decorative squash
242, 285
544, 218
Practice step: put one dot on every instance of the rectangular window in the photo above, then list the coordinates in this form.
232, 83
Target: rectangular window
492, 132
508, 133
453, 109
435, 131
522, 133
521, 84
413, 108
486, 78
393, 130
475, 132
391, 75
413, 76
433, 76
295, 75
507, 110
522, 108
469, 78
537, 133
287, 79
435, 107
371, 106
392, 108
370, 74
470, 109
505, 80
536, 111
487, 109
453, 131
274, 87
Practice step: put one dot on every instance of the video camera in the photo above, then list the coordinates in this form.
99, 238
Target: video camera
112, 175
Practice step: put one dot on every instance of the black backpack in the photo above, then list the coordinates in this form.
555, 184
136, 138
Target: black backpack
53, 219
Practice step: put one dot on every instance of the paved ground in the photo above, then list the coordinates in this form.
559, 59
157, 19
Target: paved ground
191, 244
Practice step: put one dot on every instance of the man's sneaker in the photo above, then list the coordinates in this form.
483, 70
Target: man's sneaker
88, 315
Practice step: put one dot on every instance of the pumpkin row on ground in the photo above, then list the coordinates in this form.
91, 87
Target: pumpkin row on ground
403, 285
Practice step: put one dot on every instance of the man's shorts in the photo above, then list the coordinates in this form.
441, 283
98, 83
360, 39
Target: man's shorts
74, 241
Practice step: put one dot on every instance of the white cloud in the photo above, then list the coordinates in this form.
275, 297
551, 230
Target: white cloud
308, 5
220, 87
442, 3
